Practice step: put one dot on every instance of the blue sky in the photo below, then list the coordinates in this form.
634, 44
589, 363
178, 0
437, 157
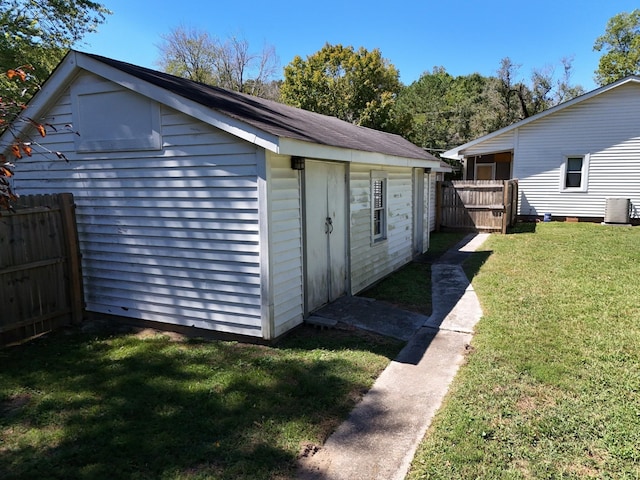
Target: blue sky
464, 36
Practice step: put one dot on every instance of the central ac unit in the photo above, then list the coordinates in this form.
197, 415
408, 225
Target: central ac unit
617, 210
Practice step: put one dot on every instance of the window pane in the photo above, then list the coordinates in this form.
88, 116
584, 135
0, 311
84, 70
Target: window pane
573, 179
574, 164
377, 222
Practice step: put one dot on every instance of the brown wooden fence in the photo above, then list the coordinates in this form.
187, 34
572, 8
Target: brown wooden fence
40, 274
477, 205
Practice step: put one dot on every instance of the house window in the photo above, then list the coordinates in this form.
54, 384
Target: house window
574, 173
378, 206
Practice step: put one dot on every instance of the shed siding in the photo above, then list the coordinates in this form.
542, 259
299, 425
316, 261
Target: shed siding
430, 196
286, 244
170, 235
607, 127
371, 262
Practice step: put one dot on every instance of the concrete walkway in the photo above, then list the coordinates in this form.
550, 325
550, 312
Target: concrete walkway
381, 435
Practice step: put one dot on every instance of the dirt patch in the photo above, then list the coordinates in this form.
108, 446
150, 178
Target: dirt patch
145, 333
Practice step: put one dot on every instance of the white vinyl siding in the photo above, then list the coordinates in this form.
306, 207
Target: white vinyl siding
285, 244
606, 129
371, 262
170, 235
499, 143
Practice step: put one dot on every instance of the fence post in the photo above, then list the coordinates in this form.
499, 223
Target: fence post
506, 213
72, 246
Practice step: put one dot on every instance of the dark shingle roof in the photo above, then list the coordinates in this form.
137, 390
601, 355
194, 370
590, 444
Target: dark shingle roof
276, 118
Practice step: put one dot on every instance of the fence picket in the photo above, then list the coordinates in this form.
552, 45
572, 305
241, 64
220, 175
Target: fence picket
478, 205
40, 274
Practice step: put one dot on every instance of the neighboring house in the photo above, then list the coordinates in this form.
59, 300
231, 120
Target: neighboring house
570, 158
200, 207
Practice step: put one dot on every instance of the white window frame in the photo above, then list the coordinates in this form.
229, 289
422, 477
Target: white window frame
564, 170
379, 209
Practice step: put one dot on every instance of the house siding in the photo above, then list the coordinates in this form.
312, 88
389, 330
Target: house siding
286, 244
372, 261
169, 235
498, 143
607, 127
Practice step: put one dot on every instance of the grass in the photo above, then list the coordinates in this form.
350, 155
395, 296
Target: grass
410, 287
78, 405
89, 406
551, 387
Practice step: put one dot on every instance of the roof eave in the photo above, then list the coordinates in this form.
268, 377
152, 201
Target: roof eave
458, 152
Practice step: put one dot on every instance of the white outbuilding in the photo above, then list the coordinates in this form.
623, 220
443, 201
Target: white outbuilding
209, 209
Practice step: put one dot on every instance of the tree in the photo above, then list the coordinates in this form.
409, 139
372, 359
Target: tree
196, 55
445, 110
38, 34
34, 36
360, 86
516, 100
621, 44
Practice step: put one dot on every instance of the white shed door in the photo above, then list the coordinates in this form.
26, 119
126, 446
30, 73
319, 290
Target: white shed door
326, 235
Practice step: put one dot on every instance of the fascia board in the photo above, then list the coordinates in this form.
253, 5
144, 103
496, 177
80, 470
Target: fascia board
326, 152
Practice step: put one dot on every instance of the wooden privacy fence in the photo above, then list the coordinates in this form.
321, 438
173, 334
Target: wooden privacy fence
40, 274
477, 205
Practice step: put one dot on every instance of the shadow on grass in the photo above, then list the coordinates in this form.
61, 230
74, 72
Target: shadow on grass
474, 263
121, 407
524, 227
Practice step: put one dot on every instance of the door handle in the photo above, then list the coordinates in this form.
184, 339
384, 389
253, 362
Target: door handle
328, 226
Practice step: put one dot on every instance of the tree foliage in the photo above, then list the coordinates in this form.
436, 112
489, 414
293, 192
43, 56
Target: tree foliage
196, 55
448, 111
621, 44
358, 86
34, 36
38, 34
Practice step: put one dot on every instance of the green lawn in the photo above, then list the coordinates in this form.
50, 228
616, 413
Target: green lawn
551, 387
410, 287
78, 405
81, 406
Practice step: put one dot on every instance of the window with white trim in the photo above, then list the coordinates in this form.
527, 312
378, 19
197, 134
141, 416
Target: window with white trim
378, 206
574, 173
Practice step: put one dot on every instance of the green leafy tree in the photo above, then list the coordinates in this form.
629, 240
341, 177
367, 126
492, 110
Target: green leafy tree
34, 36
358, 86
38, 34
446, 110
621, 44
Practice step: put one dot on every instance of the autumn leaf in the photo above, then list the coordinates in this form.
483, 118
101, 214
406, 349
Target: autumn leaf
15, 149
5, 172
11, 73
26, 149
39, 127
